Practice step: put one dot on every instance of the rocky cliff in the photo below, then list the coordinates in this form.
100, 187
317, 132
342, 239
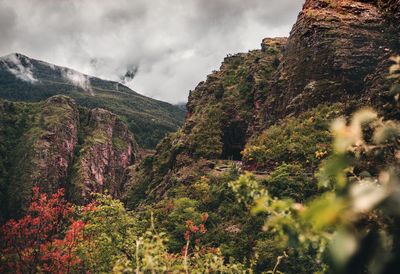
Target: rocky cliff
333, 52
108, 149
57, 144
223, 112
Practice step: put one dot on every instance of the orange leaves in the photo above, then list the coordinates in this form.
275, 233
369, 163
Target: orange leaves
44, 239
195, 231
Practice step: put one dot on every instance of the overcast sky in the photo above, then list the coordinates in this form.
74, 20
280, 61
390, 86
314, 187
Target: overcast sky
170, 44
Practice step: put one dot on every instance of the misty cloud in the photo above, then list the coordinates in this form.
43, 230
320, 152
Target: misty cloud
159, 48
21, 71
78, 79
129, 74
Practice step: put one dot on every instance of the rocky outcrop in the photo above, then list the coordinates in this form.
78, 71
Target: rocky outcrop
53, 151
233, 96
223, 112
56, 144
108, 150
333, 47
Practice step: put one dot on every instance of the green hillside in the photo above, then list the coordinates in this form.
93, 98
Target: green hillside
26, 79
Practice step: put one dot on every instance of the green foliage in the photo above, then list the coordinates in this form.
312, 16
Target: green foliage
183, 209
349, 227
291, 181
112, 234
303, 139
16, 119
117, 242
246, 189
205, 139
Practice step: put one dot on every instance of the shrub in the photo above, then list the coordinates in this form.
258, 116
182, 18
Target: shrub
303, 139
44, 240
291, 181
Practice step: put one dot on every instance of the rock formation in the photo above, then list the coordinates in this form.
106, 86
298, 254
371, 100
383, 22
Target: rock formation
57, 144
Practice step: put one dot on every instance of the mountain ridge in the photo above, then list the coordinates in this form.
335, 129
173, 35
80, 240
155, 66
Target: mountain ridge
28, 79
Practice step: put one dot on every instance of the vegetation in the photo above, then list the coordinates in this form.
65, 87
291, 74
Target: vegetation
312, 193
305, 139
148, 118
349, 227
102, 237
16, 119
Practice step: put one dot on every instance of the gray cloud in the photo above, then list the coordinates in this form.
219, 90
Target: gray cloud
7, 26
169, 46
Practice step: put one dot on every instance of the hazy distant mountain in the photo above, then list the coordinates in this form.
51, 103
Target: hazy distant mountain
182, 106
26, 79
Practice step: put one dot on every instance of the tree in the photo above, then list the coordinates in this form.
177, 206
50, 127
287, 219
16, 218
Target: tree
44, 240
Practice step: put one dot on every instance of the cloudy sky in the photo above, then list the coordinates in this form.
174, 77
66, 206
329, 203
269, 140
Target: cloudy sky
167, 45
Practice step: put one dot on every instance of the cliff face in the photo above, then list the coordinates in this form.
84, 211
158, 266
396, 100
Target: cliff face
337, 52
227, 104
107, 151
53, 150
57, 144
334, 47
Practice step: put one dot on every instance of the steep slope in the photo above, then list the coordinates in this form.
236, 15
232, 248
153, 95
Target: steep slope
337, 54
269, 111
26, 79
222, 114
333, 50
55, 144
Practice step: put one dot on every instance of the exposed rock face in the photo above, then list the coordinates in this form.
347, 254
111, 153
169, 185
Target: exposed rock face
332, 48
107, 152
58, 144
53, 152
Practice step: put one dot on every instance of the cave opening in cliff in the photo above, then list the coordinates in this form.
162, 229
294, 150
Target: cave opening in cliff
234, 139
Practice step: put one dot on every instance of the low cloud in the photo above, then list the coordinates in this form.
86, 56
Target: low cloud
21, 71
129, 75
78, 79
158, 48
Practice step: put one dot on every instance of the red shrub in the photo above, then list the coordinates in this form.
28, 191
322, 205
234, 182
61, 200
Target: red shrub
44, 239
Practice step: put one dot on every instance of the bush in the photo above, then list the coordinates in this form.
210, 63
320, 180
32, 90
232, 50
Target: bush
303, 139
291, 181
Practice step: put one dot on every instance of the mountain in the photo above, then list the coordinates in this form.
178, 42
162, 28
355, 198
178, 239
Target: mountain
56, 143
26, 79
268, 111
335, 60
182, 106
270, 170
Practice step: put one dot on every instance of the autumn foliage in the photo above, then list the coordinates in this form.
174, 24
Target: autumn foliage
44, 240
